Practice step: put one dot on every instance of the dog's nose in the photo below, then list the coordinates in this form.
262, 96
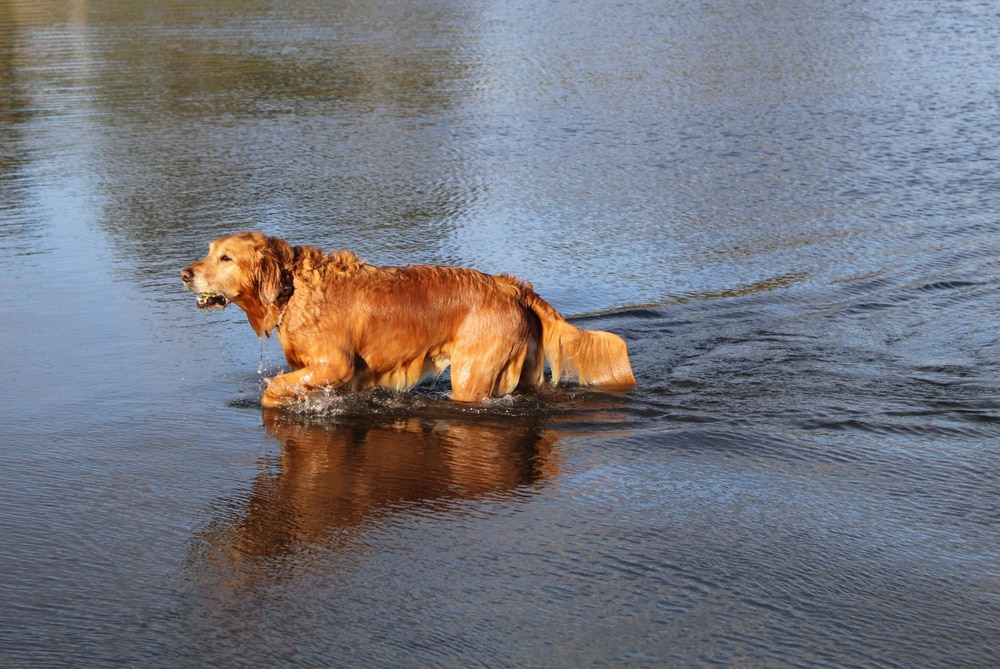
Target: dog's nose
187, 275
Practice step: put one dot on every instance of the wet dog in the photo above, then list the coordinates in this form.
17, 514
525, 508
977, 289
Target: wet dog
346, 324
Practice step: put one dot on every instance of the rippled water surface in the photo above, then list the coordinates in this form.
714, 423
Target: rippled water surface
790, 210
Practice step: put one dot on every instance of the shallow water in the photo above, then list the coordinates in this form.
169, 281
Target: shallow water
788, 209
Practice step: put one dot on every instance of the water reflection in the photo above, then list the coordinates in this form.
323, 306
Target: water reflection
19, 224
334, 476
332, 129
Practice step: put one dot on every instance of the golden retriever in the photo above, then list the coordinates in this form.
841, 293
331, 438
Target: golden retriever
344, 323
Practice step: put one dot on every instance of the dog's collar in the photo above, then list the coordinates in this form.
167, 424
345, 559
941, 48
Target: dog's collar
287, 290
287, 287
287, 280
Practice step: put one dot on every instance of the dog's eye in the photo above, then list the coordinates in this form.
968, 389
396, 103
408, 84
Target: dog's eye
225, 258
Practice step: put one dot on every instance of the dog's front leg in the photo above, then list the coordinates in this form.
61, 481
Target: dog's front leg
286, 388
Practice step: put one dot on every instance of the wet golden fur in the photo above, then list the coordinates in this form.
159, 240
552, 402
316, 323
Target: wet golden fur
344, 323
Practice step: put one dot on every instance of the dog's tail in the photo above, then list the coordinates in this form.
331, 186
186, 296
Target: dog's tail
593, 357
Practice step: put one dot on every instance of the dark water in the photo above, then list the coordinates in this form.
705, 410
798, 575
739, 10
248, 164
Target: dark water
788, 209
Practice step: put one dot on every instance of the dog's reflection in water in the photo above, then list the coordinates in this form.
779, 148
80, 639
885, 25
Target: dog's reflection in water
332, 478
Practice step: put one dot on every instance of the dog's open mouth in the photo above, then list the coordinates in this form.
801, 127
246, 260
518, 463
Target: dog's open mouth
208, 301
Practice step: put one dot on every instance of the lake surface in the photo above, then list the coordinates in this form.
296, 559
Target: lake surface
790, 210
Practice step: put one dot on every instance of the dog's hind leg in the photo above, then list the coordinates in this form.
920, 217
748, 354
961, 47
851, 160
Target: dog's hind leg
509, 378
472, 382
478, 374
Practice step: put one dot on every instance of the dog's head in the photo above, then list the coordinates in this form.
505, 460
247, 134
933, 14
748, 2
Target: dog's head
249, 269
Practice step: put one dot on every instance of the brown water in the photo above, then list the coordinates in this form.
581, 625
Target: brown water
788, 209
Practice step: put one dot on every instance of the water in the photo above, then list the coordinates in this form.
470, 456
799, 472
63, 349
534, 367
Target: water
788, 209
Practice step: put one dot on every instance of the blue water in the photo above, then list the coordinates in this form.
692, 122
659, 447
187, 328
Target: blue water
789, 211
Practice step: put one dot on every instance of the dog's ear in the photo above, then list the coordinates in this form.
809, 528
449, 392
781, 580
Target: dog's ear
275, 256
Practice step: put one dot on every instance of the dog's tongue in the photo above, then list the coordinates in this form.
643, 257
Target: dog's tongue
212, 301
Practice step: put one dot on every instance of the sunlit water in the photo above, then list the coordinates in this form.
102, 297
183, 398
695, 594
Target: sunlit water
788, 209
